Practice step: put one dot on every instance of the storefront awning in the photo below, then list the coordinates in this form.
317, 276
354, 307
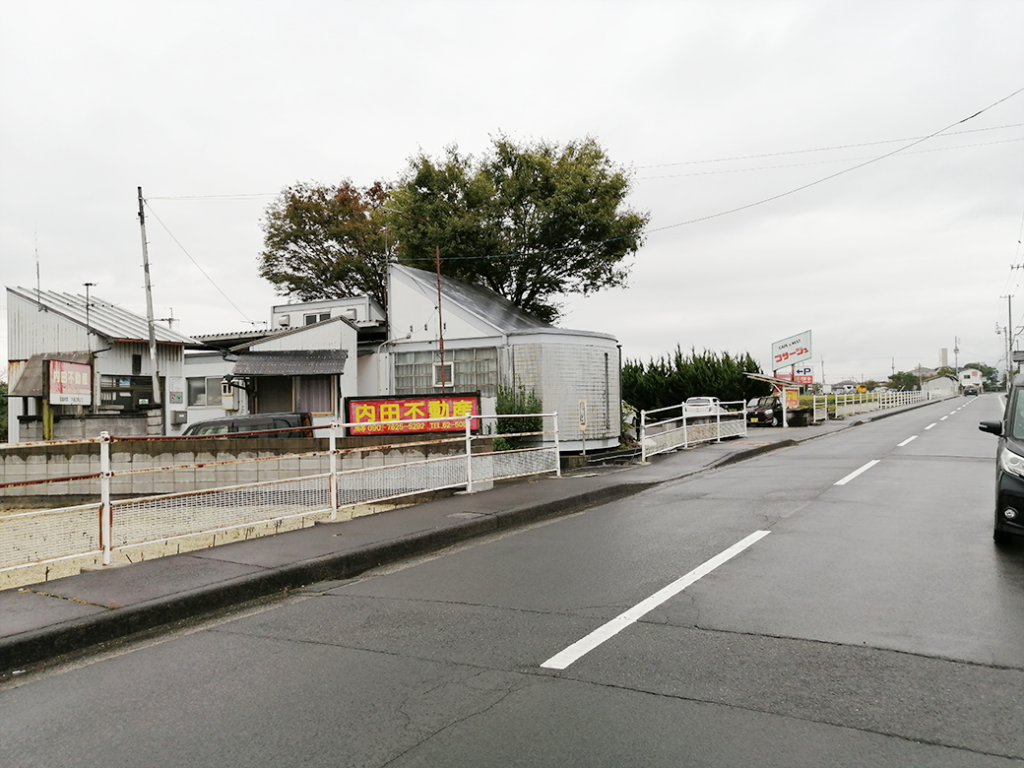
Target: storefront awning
318, 362
33, 382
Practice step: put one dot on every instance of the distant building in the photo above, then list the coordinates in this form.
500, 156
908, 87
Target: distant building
971, 377
104, 349
943, 385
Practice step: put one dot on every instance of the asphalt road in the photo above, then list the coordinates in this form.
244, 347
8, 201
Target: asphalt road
867, 620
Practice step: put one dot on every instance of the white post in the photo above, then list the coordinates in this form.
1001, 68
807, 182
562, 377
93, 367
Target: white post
106, 513
643, 436
558, 455
469, 456
333, 481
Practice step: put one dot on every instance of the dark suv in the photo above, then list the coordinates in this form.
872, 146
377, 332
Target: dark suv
1009, 522
253, 422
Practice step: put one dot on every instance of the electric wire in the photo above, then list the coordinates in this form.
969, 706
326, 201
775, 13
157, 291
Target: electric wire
825, 149
831, 176
818, 162
183, 250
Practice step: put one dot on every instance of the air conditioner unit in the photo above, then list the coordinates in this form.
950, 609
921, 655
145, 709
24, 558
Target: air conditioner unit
284, 321
351, 313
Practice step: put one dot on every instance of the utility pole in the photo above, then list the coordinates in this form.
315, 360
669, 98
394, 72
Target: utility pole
956, 361
440, 320
149, 305
1009, 338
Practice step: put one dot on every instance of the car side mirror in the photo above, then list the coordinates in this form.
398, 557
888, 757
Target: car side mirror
995, 427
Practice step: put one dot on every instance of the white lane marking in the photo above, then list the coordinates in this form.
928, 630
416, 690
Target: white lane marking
953, 413
930, 425
580, 648
900, 445
854, 474
944, 418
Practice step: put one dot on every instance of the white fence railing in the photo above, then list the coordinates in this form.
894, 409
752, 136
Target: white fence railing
668, 432
852, 404
37, 537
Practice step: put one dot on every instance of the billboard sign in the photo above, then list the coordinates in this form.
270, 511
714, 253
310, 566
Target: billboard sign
70, 383
791, 351
448, 414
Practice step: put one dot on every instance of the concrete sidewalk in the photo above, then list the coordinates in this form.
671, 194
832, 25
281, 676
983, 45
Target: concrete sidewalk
41, 622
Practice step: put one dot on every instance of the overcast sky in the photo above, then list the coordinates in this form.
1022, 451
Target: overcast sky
213, 107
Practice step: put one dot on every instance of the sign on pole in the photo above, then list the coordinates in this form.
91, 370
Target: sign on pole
790, 351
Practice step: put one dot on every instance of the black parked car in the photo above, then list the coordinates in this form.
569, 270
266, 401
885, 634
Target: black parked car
767, 411
253, 422
1009, 517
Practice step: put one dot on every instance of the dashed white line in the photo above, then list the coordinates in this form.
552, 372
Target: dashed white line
930, 425
900, 445
855, 473
607, 631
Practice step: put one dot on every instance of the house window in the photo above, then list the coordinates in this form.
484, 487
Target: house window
314, 394
204, 390
444, 375
466, 370
315, 317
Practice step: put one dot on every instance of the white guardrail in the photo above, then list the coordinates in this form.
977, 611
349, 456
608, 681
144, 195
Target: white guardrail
668, 432
47, 536
852, 404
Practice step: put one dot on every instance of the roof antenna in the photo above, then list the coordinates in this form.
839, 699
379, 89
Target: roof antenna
39, 287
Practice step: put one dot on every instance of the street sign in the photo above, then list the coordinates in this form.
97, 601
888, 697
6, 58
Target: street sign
791, 351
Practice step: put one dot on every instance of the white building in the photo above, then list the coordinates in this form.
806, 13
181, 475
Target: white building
317, 354
109, 343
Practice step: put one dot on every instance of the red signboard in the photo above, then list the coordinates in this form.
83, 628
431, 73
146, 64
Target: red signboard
396, 415
70, 383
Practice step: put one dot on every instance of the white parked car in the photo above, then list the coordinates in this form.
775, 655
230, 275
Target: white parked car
702, 406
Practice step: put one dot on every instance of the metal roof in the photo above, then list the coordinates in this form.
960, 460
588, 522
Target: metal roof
103, 317
481, 301
319, 362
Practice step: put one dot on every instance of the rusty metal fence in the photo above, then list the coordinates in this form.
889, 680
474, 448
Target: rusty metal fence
108, 525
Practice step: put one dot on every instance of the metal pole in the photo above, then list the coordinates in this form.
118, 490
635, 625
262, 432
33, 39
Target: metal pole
643, 430
333, 482
149, 307
558, 455
106, 514
440, 321
469, 456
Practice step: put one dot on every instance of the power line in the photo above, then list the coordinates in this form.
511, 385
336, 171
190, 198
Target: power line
837, 173
827, 149
817, 162
183, 250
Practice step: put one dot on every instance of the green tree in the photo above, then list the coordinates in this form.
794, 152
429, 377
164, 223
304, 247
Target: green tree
670, 380
323, 242
530, 222
904, 380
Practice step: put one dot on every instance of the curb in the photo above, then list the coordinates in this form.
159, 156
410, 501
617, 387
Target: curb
82, 634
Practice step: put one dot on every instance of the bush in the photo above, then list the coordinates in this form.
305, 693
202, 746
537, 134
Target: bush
515, 400
671, 380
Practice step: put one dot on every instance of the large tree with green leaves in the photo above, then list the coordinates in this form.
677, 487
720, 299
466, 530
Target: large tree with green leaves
531, 222
324, 242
